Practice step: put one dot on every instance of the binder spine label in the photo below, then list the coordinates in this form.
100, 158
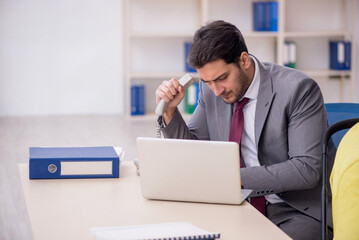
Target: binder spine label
340, 52
86, 168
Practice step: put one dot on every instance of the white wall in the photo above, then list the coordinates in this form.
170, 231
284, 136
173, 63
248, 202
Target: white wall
65, 57
61, 57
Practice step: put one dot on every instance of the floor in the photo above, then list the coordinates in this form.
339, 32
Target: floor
17, 134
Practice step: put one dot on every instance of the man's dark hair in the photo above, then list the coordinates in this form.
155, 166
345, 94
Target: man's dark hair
216, 40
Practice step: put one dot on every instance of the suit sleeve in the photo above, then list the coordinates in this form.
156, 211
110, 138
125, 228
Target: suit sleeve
197, 127
298, 166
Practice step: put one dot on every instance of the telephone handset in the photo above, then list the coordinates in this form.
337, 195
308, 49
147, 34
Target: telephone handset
185, 82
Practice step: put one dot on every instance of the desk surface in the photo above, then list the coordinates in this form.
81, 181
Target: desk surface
67, 208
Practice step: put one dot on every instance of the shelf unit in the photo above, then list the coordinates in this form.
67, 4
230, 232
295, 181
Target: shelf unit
155, 32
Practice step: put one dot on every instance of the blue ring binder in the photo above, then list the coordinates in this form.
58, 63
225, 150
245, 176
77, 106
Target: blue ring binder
73, 162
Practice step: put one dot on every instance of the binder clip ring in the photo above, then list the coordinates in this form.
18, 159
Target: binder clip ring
52, 168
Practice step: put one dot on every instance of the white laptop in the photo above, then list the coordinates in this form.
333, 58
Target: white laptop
190, 170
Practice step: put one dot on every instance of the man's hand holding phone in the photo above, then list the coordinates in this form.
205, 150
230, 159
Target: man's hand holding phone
169, 94
172, 93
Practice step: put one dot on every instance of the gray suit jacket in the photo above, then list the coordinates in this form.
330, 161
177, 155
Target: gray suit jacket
290, 120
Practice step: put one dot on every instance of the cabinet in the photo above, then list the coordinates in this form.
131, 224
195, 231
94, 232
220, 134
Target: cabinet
155, 32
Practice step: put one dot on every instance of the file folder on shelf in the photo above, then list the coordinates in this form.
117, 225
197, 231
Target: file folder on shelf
191, 98
73, 162
340, 55
138, 99
188, 67
265, 16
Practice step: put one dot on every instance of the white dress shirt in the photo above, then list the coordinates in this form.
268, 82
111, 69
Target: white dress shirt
248, 142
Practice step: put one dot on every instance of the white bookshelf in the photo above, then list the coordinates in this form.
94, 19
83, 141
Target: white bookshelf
155, 32
313, 34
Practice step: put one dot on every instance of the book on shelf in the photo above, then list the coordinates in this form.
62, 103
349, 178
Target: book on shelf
167, 231
258, 16
271, 16
290, 54
265, 16
188, 67
138, 99
191, 98
340, 55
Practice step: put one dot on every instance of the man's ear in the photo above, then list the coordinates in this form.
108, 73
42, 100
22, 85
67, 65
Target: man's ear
244, 61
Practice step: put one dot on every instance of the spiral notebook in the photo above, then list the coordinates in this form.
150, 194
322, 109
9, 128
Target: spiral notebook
167, 231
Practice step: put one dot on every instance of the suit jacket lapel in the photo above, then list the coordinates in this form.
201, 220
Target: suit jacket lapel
264, 101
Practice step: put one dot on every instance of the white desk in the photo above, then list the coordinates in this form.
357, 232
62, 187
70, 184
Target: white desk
67, 208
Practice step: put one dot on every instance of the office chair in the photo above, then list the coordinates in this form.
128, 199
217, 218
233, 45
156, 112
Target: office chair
334, 128
340, 111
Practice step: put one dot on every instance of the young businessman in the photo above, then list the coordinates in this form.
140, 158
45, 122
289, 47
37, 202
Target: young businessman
284, 119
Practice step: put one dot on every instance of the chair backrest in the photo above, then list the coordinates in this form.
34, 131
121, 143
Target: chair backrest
341, 111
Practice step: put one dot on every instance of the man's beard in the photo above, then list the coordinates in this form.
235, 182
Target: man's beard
244, 80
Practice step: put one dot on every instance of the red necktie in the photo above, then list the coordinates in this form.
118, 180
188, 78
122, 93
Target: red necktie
235, 135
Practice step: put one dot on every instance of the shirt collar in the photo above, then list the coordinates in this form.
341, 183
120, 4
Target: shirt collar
253, 89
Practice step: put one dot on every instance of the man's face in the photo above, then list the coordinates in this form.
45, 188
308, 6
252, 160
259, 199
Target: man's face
226, 80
